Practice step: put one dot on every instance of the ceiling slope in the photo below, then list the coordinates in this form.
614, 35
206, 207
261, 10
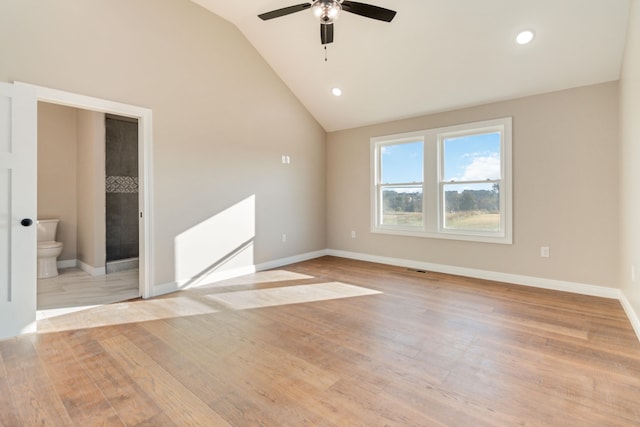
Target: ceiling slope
436, 55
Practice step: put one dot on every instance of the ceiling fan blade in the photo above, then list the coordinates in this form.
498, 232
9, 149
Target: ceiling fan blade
369, 10
326, 33
284, 11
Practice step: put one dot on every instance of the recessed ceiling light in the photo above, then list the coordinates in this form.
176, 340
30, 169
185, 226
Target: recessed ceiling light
524, 37
336, 91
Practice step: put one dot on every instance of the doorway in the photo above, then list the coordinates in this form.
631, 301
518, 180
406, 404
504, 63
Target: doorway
97, 217
143, 118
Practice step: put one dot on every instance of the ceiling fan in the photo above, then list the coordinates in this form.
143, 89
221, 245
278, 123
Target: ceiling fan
327, 11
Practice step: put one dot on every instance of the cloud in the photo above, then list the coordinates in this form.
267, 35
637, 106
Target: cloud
482, 168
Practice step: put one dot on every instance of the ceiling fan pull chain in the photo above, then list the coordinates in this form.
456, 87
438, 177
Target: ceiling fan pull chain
325, 54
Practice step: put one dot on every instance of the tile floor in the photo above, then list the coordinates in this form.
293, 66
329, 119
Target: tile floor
74, 290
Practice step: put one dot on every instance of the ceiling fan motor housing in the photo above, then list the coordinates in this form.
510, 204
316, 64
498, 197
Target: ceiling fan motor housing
326, 11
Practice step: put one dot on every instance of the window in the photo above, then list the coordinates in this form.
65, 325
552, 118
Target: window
452, 183
401, 182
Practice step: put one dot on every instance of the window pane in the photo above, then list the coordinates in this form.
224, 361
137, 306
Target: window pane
402, 206
473, 207
401, 163
472, 157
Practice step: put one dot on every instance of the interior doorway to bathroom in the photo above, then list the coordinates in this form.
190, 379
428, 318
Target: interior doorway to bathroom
88, 181
125, 235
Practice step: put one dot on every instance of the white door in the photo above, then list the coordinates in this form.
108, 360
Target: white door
18, 182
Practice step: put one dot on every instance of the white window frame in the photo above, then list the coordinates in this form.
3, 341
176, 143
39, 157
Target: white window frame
380, 186
433, 182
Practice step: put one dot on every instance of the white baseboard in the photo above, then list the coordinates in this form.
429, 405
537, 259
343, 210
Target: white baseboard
631, 314
94, 271
538, 282
218, 276
67, 263
291, 260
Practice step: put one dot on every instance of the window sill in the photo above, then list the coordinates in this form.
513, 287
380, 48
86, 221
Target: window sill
447, 235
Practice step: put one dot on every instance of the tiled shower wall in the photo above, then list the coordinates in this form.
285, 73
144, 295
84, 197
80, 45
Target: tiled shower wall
121, 188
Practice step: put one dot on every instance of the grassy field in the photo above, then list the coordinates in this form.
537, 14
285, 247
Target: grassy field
403, 218
474, 220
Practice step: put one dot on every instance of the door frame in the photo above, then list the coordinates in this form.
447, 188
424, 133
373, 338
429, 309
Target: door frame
144, 116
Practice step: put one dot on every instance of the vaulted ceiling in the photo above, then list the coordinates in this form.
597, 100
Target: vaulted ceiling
436, 55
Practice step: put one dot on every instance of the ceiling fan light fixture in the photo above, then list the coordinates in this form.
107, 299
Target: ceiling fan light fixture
327, 11
336, 91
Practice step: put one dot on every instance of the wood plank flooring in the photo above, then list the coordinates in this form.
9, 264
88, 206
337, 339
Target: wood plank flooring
378, 346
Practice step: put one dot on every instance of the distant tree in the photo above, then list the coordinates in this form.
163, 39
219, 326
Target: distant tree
402, 202
452, 201
486, 200
468, 201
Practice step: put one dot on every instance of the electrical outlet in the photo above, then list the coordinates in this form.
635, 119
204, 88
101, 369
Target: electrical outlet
544, 251
286, 160
353, 234
284, 238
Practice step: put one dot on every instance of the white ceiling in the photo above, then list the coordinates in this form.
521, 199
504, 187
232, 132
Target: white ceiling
436, 55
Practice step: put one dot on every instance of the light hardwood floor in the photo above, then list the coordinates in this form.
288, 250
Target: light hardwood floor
332, 342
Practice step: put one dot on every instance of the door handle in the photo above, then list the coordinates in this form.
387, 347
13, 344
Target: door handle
26, 222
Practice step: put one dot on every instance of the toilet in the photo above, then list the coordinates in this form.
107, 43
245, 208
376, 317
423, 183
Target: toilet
48, 248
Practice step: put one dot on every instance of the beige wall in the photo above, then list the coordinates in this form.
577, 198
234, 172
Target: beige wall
565, 180
91, 188
629, 161
222, 119
57, 172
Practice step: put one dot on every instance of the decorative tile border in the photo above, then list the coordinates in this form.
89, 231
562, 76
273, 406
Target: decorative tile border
122, 184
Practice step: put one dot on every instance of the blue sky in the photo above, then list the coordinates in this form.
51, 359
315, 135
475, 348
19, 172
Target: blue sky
472, 158
468, 158
402, 163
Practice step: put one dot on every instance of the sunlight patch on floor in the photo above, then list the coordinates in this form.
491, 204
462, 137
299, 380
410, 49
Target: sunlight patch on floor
269, 276
191, 303
242, 300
